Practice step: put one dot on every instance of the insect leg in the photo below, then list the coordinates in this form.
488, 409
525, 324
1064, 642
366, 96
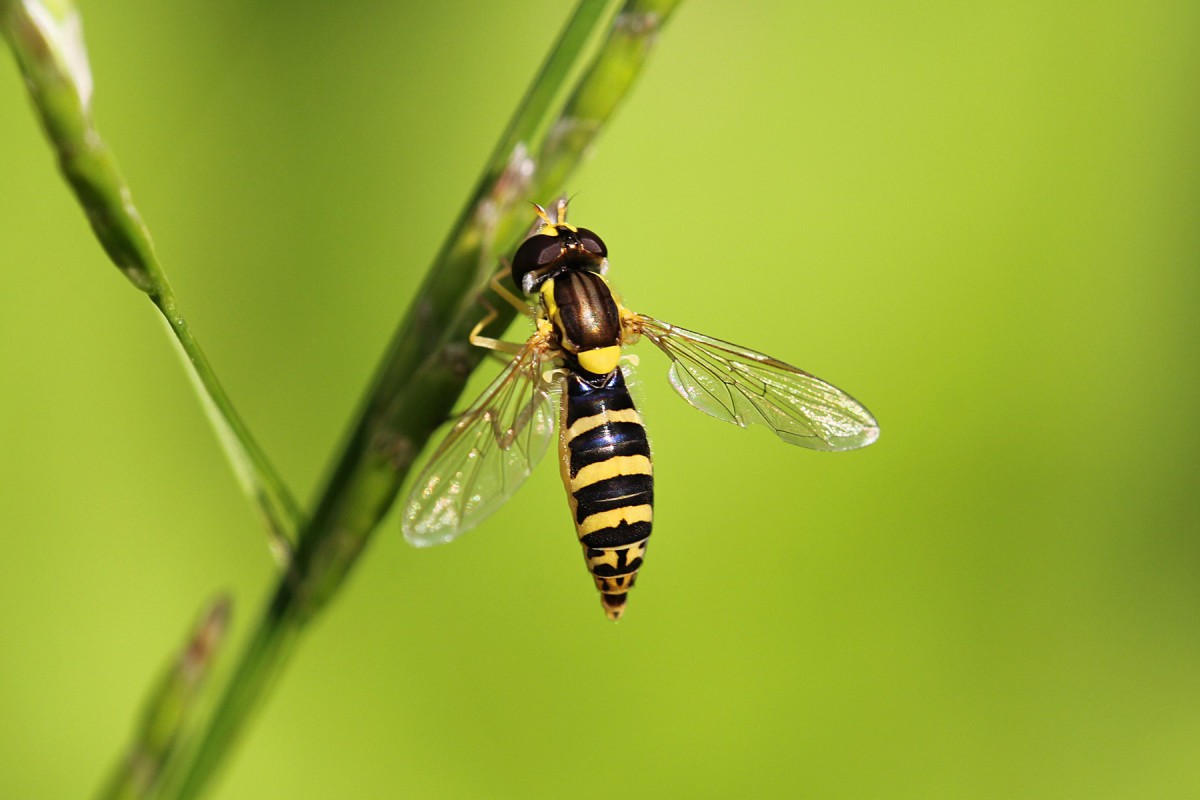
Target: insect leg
496, 345
499, 288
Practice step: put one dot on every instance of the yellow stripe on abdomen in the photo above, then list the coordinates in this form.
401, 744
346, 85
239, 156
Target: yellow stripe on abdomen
585, 424
603, 470
614, 517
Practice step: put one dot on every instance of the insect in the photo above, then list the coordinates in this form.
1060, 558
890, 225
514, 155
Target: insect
604, 455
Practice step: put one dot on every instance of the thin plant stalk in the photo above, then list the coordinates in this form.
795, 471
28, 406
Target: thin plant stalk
169, 708
423, 372
47, 41
428, 362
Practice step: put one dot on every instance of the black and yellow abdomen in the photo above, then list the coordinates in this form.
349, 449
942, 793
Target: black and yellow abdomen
610, 485
604, 452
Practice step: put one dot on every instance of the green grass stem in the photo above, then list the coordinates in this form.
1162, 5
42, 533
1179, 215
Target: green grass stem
47, 41
427, 364
425, 368
169, 708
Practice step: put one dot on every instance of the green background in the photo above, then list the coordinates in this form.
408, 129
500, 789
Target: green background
982, 220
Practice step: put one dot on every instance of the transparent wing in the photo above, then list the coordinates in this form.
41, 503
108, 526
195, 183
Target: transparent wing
486, 456
748, 388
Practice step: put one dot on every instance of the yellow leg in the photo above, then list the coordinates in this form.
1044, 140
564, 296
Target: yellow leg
499, 288
497, 345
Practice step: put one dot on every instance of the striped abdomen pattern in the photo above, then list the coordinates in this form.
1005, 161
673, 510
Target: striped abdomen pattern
610, 485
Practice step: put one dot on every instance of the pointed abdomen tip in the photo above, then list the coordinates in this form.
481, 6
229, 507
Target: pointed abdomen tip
614, 605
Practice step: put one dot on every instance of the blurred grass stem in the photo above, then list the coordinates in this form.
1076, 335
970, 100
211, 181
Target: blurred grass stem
47, 42
425, 368
428, 361
169, 708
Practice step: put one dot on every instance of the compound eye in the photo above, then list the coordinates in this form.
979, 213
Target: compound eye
535, 253
592, 243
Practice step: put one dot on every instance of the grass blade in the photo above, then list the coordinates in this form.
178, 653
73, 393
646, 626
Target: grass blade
48, 44
168, 708
428, 361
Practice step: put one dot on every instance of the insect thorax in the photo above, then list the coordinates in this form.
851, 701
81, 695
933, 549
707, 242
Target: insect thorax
586, 319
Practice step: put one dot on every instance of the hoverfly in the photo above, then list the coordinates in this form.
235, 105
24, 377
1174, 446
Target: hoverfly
604, 455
